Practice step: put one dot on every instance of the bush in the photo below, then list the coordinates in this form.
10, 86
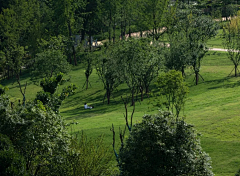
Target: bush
39, 134
50, 84
90, 157
54, 101
11, 163
173, 87
163, 145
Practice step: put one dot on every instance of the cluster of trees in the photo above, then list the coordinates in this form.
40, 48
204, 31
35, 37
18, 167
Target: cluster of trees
222, 8
34, 139
137, 62
216, 8
26, 27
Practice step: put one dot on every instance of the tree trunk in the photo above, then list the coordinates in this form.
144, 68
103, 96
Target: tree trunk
197, 77
183, 73
125, 27
73, 48
108, 96
121, 25
109, 26
87, 83
114, 29
147, 89
235, 70
133, 96
129, 29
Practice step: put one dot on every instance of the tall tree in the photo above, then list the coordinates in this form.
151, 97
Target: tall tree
138, 63
231, 38
106, 67
68, 22
154, 14
195, 29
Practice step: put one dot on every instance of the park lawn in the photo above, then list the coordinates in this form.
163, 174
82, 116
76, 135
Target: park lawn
212, 107
217, 41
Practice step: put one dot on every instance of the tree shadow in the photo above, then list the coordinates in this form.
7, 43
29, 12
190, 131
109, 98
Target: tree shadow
223, 83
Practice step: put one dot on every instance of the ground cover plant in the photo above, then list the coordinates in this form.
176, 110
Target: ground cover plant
212, 106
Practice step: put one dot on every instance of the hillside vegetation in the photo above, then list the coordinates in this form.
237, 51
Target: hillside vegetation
212, 107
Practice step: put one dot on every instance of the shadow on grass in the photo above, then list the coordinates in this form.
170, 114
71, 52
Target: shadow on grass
223, 83
116, 102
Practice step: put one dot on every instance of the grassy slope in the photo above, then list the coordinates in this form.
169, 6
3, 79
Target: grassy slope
213, 107
216, 42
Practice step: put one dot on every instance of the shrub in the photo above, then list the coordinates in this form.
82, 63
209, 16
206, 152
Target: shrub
54, 101
163, 145
11, 163
90, 157
173, 87
50, 84
39, 134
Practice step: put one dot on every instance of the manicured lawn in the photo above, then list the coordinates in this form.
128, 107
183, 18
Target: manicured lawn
212, 107
216, 42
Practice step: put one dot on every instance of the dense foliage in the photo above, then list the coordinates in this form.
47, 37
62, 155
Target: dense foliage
231, 36
174, 89
163, 145
38, 134
12, 163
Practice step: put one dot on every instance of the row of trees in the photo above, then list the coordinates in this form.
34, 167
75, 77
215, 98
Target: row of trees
137, 62
26, 25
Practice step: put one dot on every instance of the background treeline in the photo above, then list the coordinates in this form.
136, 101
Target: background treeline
25, 25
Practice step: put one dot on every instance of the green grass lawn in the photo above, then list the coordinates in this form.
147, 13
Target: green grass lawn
212, 107
217, 41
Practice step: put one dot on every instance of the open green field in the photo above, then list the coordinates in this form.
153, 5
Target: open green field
212, 107
217, 41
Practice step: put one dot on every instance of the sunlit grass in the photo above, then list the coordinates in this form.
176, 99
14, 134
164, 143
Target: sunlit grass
212, 107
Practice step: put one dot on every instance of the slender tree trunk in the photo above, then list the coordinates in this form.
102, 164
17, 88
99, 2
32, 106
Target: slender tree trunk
129, 28
114, 29
87, 83
125, 26
109, 26
183, 73
133, 90
147, 89
197, 77
108, 96
121, 24
73, 48
235, 70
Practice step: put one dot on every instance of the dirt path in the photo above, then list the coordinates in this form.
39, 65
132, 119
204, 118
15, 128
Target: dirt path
218, 49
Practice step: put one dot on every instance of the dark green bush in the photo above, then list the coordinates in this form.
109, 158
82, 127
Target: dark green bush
163, 145
11, 163
39, 134
50, 84
54, 101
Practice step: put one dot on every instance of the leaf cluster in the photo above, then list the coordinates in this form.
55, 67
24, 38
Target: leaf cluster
37, 133
162, 145
172, 86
